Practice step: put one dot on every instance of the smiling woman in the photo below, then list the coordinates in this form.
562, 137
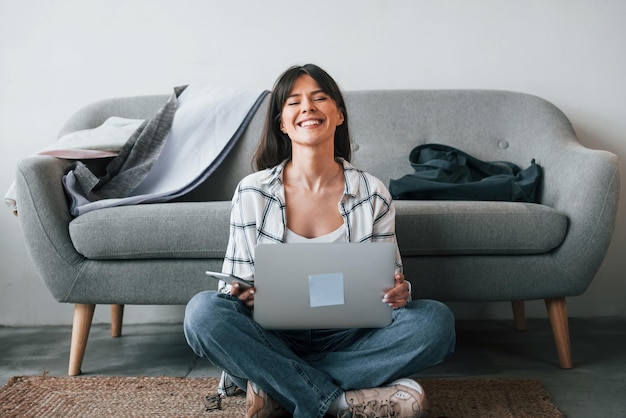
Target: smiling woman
307, 189
275, 144
310, 117
309, 106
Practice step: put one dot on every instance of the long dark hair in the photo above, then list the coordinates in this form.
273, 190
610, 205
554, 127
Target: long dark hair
275, 146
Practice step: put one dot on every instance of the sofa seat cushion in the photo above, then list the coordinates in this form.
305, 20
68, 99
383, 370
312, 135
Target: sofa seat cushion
161, 230
200, 229
477, 228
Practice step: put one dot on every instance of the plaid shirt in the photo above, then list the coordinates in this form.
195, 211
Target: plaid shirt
258, 215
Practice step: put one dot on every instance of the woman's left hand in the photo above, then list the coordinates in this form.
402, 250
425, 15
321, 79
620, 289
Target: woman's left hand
400, 294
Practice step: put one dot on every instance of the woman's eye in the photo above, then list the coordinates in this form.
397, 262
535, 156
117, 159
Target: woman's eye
315, 99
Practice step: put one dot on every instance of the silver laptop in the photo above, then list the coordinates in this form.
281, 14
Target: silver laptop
330, 285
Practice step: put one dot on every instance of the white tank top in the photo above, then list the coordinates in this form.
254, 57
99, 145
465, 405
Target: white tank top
338, 235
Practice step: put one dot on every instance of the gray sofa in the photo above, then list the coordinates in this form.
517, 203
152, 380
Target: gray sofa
452, 250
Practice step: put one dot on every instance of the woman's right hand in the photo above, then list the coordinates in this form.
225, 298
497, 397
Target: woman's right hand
243, 293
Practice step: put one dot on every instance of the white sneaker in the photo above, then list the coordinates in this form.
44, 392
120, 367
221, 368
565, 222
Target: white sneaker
403, 398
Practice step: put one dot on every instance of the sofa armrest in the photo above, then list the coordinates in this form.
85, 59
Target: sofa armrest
584, 184
44, 216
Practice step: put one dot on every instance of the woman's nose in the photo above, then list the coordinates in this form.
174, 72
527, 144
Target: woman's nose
308, 106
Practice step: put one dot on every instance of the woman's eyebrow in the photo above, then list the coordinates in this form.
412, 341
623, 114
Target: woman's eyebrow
299, 94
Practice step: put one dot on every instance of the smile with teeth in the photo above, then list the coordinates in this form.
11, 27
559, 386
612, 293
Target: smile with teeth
310, 122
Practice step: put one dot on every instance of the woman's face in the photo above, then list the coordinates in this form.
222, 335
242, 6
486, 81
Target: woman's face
310, 116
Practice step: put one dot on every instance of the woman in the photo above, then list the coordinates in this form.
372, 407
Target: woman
307, 191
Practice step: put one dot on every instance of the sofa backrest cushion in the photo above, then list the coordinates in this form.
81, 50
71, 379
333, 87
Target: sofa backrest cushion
385, 125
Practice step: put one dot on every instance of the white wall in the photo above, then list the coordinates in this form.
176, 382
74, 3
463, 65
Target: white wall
58, 56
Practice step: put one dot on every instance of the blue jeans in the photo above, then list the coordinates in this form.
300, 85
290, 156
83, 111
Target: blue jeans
305, 371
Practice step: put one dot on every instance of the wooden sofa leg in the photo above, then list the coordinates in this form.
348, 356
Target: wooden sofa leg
83, 315
557, 312
519, 314
117, 314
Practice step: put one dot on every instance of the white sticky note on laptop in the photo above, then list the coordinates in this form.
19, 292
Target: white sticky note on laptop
326, 289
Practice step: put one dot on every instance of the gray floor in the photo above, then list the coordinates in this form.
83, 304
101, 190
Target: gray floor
596, 387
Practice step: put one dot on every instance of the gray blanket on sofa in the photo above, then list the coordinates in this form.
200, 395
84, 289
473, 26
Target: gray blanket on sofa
169, 154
